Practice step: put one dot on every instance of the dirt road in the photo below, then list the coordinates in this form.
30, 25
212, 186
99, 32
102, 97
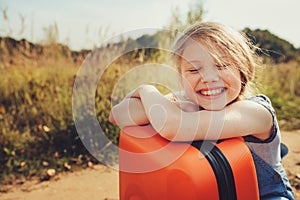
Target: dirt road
101, 183
98, 183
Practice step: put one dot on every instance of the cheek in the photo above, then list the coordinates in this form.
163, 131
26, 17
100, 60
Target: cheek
189, 80
188, 84
232, 78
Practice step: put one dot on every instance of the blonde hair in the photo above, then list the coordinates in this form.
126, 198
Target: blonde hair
221, 40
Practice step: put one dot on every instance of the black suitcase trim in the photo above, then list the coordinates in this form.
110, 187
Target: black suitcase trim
221, 168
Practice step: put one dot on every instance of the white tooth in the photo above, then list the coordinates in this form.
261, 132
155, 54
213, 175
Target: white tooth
212, 92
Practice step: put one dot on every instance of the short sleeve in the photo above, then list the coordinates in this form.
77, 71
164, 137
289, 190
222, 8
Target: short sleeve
266, 102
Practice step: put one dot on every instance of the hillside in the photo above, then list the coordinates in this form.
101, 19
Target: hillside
23, 53
278, 49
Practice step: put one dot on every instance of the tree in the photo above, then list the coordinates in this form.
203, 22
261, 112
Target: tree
195, 14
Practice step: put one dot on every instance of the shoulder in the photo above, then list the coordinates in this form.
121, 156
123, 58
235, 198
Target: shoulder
265, 102
261, 99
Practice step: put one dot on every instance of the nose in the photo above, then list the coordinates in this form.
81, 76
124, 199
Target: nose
210, 75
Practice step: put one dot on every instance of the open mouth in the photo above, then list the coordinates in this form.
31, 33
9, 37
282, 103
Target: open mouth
212, 92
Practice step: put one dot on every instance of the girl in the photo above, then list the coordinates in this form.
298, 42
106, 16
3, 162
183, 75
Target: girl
216, 65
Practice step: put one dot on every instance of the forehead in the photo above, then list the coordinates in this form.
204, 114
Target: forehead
195, 51
205, 51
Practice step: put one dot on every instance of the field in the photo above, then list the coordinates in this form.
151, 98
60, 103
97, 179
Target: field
54, 100
38, 135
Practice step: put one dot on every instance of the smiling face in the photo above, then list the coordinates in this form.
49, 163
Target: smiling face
209, 83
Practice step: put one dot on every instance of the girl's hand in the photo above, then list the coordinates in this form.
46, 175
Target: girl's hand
130, 111
136, 92
187, 106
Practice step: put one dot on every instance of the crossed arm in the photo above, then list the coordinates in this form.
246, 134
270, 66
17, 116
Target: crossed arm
183, 122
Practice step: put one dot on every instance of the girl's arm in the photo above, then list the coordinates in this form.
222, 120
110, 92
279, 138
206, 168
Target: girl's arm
238, 119
130, 111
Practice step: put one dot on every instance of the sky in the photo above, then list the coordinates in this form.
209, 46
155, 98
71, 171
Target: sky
84, 24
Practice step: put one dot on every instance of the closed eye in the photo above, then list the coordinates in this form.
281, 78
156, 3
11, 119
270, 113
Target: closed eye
222, 66
195, 69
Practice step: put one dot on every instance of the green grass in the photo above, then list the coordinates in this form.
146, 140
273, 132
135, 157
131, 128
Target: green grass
280, 83
36, 120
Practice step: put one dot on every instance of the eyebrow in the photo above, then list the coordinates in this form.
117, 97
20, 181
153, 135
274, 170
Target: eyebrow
190, 65
193, 61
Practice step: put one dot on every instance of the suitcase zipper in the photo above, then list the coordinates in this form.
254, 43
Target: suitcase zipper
221, 168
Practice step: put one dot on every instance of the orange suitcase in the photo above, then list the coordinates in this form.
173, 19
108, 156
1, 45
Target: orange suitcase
152, 168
